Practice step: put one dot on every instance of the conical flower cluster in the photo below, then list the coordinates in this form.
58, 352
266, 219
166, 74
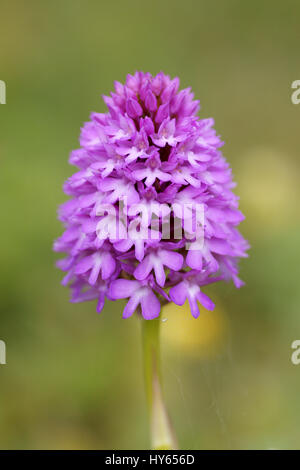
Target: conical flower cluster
152, 217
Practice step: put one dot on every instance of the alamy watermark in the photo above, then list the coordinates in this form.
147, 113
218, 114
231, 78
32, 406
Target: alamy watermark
152, 221
295, 357
2, 92
2, 352
295, 97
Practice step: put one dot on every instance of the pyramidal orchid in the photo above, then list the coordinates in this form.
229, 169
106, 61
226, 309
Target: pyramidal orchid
152, 217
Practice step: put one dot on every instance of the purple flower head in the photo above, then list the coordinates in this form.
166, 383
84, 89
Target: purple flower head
131, 225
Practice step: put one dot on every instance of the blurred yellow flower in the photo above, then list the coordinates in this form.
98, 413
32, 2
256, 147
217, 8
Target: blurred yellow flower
268, 188
204, 336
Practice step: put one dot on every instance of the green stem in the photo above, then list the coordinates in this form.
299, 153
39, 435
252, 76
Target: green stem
162, 434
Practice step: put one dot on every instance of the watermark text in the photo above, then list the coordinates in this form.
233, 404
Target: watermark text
295, 357
2, 92
295, 97
152, 221
2, 352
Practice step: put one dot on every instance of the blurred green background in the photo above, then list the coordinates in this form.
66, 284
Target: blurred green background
73, 378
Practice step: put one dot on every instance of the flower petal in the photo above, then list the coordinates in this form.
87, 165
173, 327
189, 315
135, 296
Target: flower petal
178, 293
122, 288
205, 301
150, 305
131, 305
143, 269
171, 259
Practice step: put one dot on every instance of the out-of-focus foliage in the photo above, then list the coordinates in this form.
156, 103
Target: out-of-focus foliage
73, 379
